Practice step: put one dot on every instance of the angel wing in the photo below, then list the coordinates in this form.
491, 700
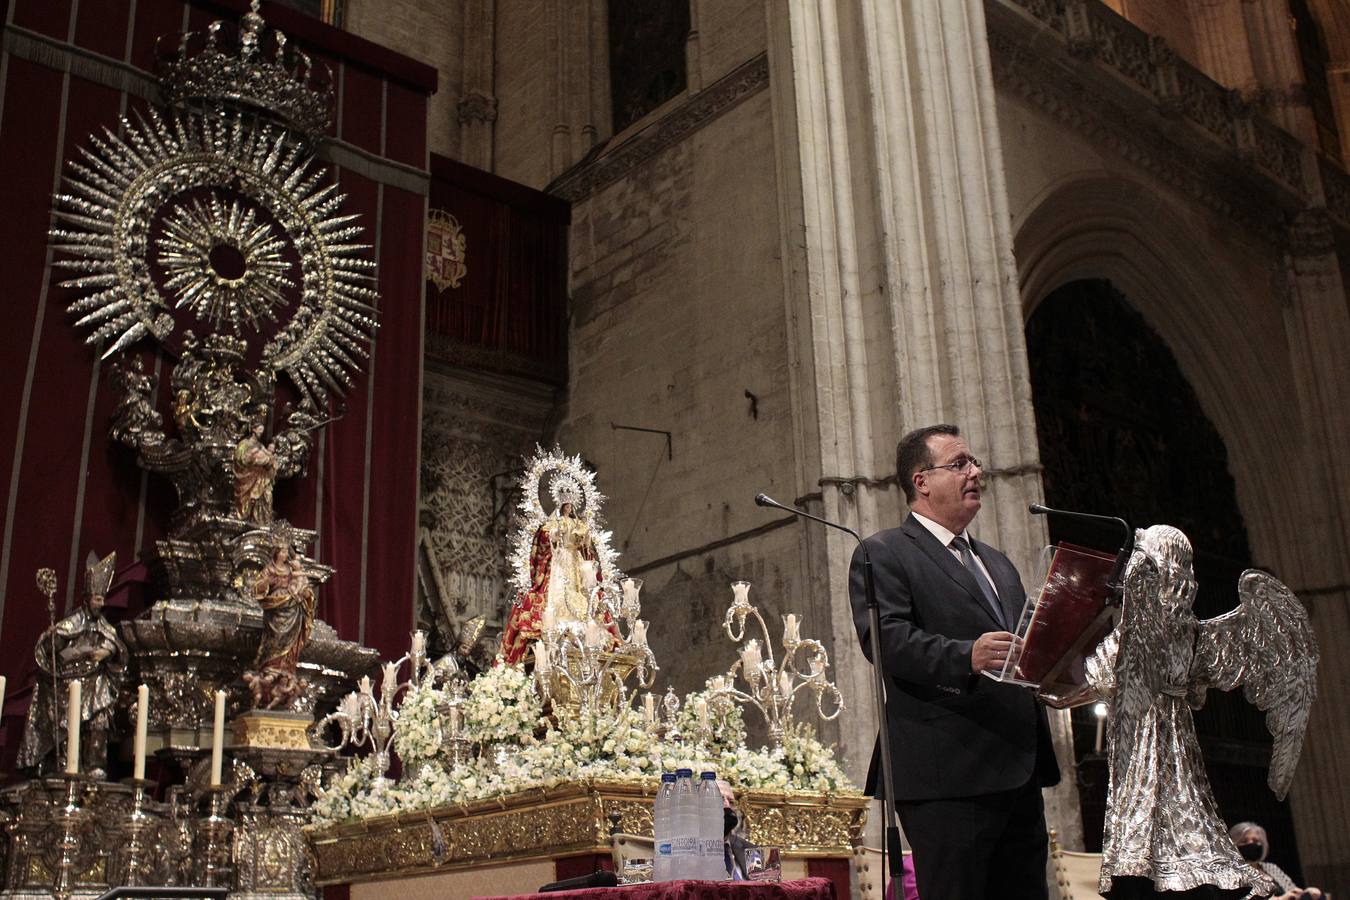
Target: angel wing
1267, 646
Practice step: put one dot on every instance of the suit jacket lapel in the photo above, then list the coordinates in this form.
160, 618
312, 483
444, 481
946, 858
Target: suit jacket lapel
949, 564
1006, 582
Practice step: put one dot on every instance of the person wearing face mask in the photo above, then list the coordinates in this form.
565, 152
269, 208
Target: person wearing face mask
1253, 844
969, 755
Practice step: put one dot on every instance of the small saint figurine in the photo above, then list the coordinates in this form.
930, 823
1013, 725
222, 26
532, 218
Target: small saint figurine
283, 591
255, 471
567, 555
83, 646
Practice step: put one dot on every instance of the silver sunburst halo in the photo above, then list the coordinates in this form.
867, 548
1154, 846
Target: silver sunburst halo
128, 181
222, 263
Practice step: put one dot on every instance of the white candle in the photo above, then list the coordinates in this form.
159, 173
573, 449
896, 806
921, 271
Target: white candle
594, 636
142, 710
588, 578
419, 643
549, 618
640, 633
2, 692
541, 660
750, 659
785, 685
702, 706
218, 740
631, 586
73, 728
791, 630
740, 592
649, 706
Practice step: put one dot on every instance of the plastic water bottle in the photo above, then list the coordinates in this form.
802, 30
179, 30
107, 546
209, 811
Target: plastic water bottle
661, 821
712, 859
684, 828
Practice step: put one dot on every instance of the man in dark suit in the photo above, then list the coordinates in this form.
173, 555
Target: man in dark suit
969, 755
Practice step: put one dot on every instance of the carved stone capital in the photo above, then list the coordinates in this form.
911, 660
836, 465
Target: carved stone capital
1310, 233
476, 106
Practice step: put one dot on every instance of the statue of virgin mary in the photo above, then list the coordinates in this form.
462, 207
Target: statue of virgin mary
560, 557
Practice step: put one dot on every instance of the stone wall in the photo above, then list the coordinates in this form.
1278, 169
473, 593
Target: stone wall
432, 34
678, 326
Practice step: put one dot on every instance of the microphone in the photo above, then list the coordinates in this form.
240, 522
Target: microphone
891, 852
1115, 582
763, 499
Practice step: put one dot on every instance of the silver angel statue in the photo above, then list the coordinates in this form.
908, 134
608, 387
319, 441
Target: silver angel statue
1163, 829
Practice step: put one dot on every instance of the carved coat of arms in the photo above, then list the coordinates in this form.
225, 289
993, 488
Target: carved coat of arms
446, 266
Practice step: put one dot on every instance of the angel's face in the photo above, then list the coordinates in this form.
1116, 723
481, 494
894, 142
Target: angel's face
1170, 551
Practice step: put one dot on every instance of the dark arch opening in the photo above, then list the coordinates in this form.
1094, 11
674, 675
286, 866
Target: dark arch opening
1122, 433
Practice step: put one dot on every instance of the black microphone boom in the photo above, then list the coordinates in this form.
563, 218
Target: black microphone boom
891, 850
1115, 582
766, 500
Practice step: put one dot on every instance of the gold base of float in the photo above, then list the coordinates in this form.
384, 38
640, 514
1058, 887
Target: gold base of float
562, 821
272, 730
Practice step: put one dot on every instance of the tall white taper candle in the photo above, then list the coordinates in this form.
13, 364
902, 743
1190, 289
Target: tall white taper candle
73, 728
218, 740
142, 712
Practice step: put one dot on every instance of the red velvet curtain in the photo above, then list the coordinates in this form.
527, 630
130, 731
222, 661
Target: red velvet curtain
509, 314
67, 487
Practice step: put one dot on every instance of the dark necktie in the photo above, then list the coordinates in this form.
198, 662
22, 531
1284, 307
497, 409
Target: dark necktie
968, 560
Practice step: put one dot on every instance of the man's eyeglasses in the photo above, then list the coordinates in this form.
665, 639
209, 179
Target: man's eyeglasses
960, 467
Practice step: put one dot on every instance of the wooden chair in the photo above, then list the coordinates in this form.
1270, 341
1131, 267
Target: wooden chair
1076, 873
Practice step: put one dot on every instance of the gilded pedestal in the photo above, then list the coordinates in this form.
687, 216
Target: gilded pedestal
543, 824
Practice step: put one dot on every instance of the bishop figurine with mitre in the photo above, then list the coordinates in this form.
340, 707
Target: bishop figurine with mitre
83, 646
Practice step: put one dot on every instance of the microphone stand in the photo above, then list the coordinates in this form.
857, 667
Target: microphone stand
1115, 582
891, 850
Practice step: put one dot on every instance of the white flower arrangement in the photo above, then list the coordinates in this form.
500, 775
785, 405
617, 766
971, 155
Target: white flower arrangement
502, 706
812, 766
503, 711
725, 718
417, 735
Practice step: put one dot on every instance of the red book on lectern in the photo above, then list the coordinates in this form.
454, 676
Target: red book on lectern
1064, 622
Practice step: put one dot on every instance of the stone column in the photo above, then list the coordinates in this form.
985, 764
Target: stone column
1221, 43
477, 107
1315, 562
902, 285
1279, 71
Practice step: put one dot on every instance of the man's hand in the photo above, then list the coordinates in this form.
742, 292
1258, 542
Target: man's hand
991, 651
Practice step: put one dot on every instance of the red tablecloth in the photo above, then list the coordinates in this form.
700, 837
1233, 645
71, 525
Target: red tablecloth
805, 889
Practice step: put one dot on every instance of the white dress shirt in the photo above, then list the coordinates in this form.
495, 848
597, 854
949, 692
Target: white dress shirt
945, 537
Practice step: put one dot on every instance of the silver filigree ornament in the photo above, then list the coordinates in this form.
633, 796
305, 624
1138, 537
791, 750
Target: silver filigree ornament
215, 209
127, 181
222, 263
